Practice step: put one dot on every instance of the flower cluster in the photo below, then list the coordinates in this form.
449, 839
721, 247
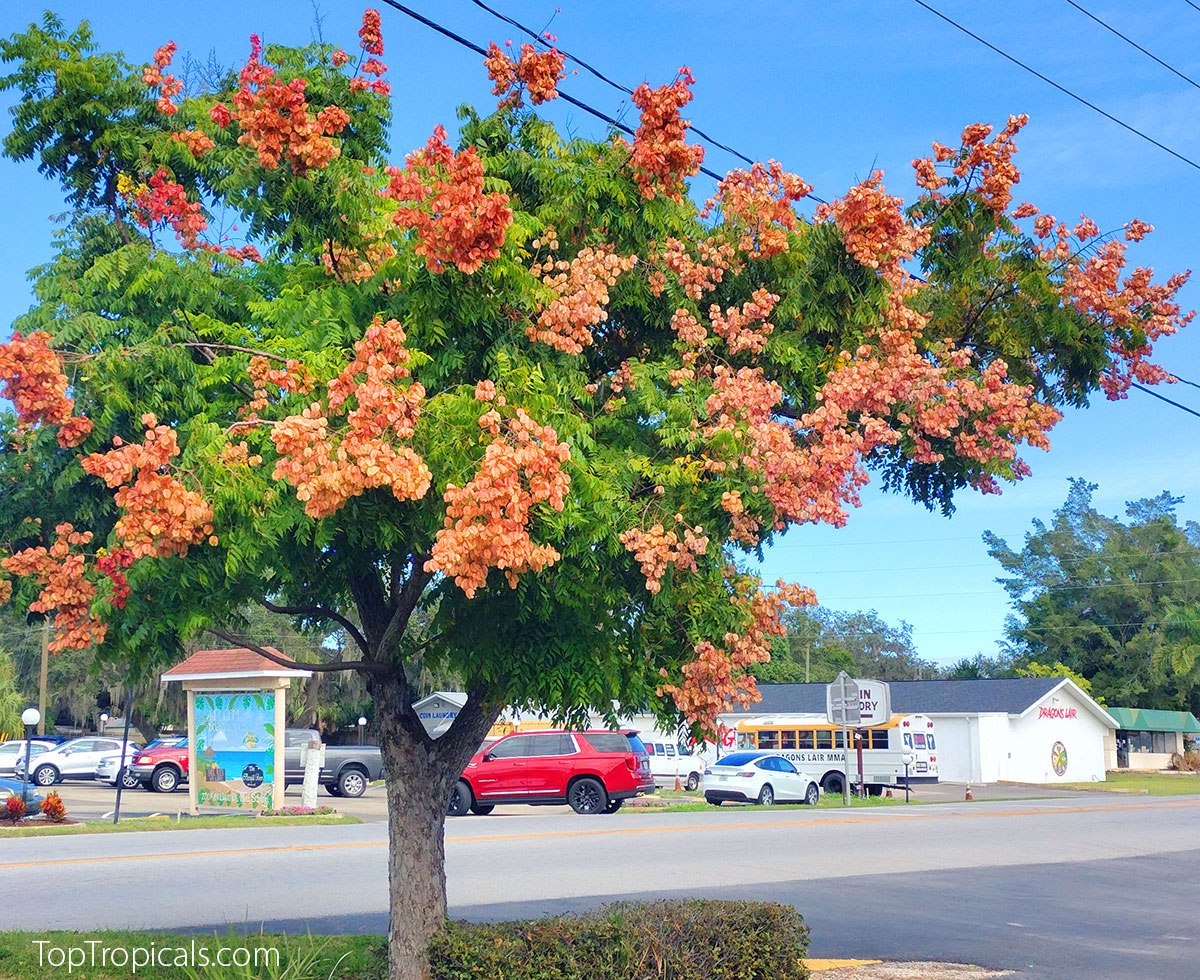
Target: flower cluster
327, 468
757, 203
198, 143
113, 566
163, 199
275, 120
720, 674
874, 229
988, 163
660, 156
747, 329
37, 387
582, 287
168, 85
487, 521
698, 275
658, 548
161, 517
65, 589
538, 71
359, 264
370, 35
442, 198
293, 376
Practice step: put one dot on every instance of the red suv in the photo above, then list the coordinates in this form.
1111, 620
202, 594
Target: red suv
592, 771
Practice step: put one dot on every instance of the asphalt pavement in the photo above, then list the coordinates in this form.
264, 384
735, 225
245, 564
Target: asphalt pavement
1088, 888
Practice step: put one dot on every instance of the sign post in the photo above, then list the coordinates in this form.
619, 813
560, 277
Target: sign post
843, 708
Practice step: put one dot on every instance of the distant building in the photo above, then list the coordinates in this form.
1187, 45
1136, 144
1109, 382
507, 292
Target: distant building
438, 711
1146, 738
1025, 729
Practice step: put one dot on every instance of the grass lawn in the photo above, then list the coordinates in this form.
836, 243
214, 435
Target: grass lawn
135, 824
694, 803
299, 957
1151, 783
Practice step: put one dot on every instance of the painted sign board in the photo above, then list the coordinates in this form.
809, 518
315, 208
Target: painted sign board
235, 749
874, 703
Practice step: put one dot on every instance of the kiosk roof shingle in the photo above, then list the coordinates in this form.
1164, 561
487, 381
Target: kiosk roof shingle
230, 661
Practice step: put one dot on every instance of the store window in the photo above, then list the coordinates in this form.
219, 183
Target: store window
1161, 742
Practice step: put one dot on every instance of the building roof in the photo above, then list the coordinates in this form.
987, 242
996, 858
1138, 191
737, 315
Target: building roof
237, 662
1010, 696
1155, 720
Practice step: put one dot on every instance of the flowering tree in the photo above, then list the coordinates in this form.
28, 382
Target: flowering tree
521, 382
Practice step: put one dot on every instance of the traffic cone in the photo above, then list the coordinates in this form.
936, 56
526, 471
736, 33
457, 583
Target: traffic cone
970, 796
678, 784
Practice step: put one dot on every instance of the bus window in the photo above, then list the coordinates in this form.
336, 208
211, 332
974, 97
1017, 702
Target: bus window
907, 740
745, 740
918, 740
824, 739
787, 740
768, 740
929, 739
879, 739
805, 739
839, 740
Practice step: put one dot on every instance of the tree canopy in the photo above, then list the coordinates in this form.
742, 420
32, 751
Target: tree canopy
524, 380
1111, 600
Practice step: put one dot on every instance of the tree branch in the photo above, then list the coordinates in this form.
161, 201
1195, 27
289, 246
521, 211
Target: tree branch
362, 666
319, 612
209, 345
410, 595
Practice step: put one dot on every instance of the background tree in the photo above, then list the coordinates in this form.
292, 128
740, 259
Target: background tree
1108, 598
1057, 669
980, 667
13, 700
820, 642
524, 383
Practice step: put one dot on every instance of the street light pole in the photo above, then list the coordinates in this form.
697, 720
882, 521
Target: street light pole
103, 721
29, 718
907, 759
362, 723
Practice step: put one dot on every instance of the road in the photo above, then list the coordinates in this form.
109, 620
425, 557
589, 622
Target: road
1091, 888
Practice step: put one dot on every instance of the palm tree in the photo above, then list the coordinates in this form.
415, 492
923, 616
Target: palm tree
1180, 654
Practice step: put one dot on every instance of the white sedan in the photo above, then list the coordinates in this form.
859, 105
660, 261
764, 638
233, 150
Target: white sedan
76, 759
758, 777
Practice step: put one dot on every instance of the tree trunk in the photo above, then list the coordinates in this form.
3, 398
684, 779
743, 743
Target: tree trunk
420, 773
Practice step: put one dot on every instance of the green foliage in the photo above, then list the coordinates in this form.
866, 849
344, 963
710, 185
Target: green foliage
1112, 601
692, 939
821, 642
12, 700
1059, 669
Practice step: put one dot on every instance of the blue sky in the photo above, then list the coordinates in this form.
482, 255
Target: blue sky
832, 91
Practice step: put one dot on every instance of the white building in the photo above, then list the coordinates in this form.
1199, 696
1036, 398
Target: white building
1025, 730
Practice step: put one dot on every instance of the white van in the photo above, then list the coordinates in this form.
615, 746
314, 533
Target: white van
668, 760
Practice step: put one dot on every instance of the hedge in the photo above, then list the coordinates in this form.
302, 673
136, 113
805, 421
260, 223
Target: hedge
691, 939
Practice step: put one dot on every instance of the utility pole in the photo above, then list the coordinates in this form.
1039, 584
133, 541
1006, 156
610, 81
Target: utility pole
807, 661
43, 677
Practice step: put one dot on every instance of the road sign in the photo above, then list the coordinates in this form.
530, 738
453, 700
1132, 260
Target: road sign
874, 703
842, 702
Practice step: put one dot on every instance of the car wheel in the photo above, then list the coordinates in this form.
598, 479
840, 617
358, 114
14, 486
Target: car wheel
712, 802
45, 775
812, 795
129, 780
333, 790
613, 806
693, 781
165, 779
352, 783
587, 796
766, 796
482, 809
461, 799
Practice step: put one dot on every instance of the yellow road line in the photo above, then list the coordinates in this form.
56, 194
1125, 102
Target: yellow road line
924, 814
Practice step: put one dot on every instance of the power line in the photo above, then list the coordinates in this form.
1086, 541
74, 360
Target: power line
1194, 6
1128, 40
1184, 381
1164, 398
1049, 81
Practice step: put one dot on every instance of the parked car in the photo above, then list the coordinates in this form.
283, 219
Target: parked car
14, 750
12, 787
76, 759
347, 771
759, 777
117, 766
668, 761
590, 771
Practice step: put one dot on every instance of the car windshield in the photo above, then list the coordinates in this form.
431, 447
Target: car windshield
738, 759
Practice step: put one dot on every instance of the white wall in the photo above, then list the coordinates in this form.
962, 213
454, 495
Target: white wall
1033, 735
956, 759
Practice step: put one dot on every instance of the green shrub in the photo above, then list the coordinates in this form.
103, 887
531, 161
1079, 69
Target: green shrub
691, 939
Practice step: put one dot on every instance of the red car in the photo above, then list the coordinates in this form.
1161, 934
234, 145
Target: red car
591, 771
161, 769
